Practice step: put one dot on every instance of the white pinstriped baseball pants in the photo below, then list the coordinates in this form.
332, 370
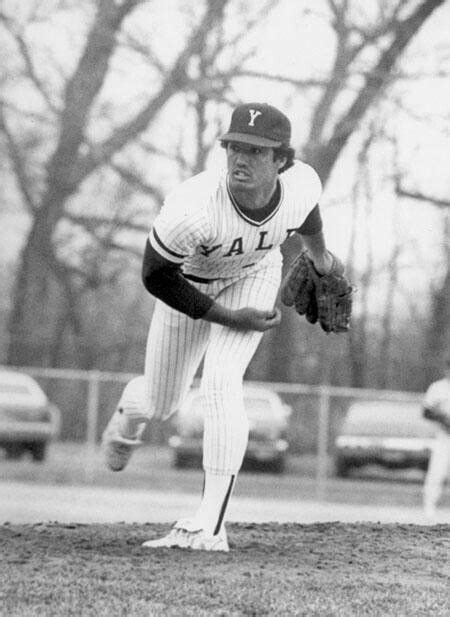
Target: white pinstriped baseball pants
175, 347
438, 469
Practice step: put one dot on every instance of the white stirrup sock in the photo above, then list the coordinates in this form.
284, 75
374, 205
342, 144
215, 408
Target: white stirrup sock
217, 491
132, 418
131, 426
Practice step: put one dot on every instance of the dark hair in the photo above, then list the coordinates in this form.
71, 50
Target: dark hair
284, 152
278, 153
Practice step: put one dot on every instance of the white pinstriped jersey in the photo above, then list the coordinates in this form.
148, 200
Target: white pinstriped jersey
202, 227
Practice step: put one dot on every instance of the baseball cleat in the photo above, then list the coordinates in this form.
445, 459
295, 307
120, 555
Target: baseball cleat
117, 448
185, 534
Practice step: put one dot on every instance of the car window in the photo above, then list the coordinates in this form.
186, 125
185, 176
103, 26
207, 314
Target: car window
255, 406
14, 388
20, 389
387, 419
258, 408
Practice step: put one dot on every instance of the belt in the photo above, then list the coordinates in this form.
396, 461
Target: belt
198, 279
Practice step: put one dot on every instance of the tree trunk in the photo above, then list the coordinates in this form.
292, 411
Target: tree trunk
46, 292
438, 336
323, 154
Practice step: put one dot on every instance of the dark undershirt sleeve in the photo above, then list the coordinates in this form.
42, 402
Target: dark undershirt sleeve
312, 224
164, 280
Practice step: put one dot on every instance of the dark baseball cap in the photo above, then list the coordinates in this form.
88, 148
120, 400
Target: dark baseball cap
259, 124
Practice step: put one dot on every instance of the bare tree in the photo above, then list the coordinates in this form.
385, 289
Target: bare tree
48, 293
333, 123
51, 289
362, 196
437, 336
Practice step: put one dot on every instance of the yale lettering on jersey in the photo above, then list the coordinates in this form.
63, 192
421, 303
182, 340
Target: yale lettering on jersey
206, 250
236, 248
261, 246
237, 245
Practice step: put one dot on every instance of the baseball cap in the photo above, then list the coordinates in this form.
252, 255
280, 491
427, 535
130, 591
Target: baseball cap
259, 124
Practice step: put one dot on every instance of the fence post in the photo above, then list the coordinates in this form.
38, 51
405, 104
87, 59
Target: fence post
322, 442
92, 421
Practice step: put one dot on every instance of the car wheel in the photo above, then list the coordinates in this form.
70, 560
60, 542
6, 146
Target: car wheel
342, 468
180, 461
14, 451
38, 451
184, 461
278, 465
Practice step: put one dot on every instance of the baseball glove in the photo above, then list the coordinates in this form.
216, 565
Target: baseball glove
324, 298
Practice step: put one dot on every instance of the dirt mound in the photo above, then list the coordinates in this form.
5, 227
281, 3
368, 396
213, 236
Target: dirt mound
272, 569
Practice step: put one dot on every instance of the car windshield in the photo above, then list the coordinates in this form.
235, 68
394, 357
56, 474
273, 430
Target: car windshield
19, 389
258, 408
387, 419
14, 388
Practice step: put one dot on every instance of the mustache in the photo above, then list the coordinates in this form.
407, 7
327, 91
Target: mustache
240, 168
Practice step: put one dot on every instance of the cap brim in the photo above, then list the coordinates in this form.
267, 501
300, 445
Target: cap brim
253, 140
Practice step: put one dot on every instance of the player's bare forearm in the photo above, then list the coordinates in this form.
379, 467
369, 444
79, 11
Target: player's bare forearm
243, 319
317, 250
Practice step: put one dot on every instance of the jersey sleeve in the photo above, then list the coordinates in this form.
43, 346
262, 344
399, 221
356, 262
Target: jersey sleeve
164, 280
305, 189
312, 224
180, 227
313, 189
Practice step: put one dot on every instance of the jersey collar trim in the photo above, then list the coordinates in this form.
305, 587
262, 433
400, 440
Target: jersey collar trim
247, 218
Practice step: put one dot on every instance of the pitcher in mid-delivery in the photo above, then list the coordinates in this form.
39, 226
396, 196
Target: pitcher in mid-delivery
213, 261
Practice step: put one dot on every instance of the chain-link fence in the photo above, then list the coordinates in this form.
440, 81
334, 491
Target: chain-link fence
87, 399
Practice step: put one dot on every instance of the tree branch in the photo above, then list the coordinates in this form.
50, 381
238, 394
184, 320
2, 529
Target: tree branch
324, 156
18, 161
175, 81
32, 73
312, 82
136, 181
92, 223
418, 195
82, 89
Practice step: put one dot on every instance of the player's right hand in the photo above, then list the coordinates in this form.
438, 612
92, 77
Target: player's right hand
254, 319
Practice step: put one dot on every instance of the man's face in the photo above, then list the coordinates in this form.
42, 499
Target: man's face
251, 167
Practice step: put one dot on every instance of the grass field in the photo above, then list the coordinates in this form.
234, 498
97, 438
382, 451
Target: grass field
290, 569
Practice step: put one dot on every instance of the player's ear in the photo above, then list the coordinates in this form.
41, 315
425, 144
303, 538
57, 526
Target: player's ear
281, 161
279, 158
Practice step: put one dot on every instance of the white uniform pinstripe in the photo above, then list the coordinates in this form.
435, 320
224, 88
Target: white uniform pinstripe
201, 228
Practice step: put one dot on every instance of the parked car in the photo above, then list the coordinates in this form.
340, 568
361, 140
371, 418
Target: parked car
392, 434
268, 418
28, 420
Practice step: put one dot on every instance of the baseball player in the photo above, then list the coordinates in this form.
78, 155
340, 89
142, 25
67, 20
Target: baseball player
213, 261
436, 407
